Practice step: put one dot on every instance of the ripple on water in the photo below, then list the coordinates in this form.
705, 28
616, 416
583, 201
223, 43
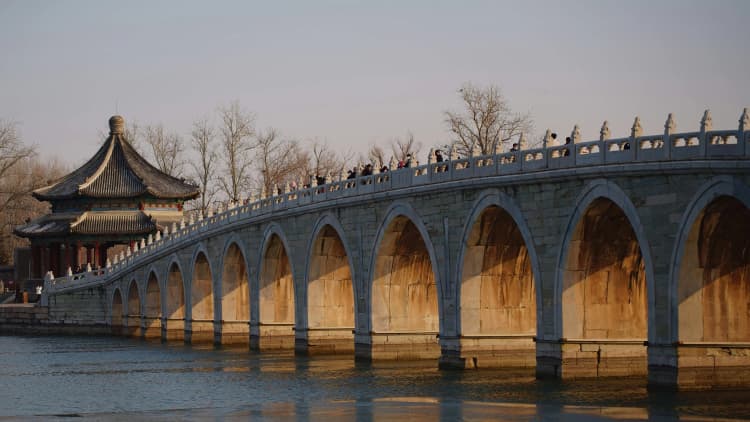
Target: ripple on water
115, 378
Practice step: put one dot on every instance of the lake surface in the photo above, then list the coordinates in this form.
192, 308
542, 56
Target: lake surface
124, 379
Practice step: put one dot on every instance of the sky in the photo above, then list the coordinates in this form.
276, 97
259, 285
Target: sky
356, 73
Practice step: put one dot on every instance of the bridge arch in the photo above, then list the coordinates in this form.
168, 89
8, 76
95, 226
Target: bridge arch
234, 291
329, 287
604, 259
134, 310
276, 290
174, 300
405, 286
709, 274
498, 270
202, 296
153, 309
116, 311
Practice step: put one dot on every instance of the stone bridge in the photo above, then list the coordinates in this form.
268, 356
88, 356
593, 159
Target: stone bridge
611, 257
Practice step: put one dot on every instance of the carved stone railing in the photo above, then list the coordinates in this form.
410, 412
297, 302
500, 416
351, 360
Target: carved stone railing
669, 146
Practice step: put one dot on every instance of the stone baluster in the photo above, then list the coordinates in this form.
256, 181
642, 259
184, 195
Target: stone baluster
182, 224
275, 190
522, 141
499, 147
191, 220
547, 140
135, 247
393, 165
342, 176
328, 178
453, 153
88, 267
263, 193
314, 182
150, 240
122, 255
158, 236
143, 244
604, 131
706, 125
670, 126
70, 272
636, 131
174, 228
742, 136
108, 264
575, 135
431, 156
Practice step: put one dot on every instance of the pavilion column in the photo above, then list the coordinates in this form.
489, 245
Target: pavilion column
54, 259
36, 261
95, 260
77, 255
68, 257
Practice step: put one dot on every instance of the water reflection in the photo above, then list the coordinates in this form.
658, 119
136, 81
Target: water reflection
124, 379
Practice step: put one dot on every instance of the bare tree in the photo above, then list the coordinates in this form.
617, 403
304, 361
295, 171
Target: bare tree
12, 150
403, 147
202, 143
376, 155
166, 149
486, 121
237, 129
279, 160
326, 161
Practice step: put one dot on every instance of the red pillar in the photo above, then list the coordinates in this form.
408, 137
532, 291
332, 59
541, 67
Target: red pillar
95, 255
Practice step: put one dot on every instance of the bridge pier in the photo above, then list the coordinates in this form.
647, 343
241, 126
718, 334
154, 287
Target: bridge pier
232, 333
199, 331
151, 327
470, 352
173, 329
396, 346
272, 336
688, 366
569, 359
324, 341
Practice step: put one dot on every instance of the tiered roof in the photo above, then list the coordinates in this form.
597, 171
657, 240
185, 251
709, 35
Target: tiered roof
115, 172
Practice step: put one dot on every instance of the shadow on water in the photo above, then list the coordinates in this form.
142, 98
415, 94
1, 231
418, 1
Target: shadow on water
113, 378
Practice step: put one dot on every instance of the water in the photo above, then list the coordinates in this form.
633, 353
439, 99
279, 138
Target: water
124, 379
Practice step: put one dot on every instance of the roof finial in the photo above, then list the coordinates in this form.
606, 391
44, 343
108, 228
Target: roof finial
116, 125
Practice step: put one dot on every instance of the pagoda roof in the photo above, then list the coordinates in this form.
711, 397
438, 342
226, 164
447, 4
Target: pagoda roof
117, 171
89, 223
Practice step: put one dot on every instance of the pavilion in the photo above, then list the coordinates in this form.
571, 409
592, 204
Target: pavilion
113, 200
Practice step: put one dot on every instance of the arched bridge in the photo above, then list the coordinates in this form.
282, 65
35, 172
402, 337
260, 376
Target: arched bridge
610, 257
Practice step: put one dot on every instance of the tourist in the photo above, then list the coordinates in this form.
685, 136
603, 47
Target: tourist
438, 156
566, 151
367, 171
514, 148
553, 142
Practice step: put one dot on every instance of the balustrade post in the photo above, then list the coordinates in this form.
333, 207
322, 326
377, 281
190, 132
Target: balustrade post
706, 125
669, 128
743, 132
635, 132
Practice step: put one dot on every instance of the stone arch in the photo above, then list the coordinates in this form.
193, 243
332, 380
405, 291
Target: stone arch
153, 310
174, 301
234, 305
276, 298
403, 253
201, 288
134, 313
710, 271
498, 269
116, 312
329, 287
604, 281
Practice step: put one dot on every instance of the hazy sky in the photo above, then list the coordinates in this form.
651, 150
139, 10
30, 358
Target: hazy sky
355, 73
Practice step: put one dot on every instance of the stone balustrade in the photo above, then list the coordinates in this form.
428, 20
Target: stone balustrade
704, 144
